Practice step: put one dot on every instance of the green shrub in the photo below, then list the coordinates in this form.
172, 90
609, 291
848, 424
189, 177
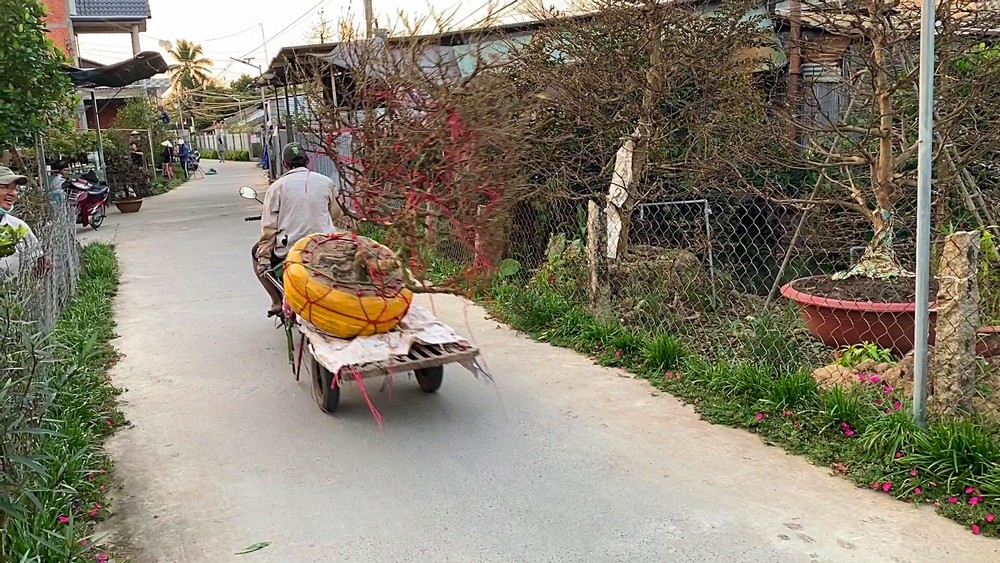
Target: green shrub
238, 156
210, 154
664, 353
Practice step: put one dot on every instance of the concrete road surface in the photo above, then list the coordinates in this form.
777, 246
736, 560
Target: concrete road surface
560, 461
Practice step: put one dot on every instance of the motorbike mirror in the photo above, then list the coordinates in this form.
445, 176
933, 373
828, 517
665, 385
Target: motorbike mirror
246, 192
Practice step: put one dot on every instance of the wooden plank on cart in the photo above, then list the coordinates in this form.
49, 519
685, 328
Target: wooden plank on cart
421, 356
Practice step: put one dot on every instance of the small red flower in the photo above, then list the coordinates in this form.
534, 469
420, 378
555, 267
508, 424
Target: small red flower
899, 455
990, 517
874, 379
102, 557
969, 490
759, 416
952, 500
896, 405
618, 354
887, 389
917, 490
975, 529
887, 486
974, 501
63, 519
876, 485
89, 476
109, 422
913, 473
84, 542
93, 513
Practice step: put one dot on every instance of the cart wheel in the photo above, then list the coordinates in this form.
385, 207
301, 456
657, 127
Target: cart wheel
326, 395
430, 379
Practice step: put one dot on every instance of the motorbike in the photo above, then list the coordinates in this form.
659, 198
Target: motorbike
194, 161
91, 197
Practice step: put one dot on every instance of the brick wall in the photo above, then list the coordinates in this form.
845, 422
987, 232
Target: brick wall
59, 25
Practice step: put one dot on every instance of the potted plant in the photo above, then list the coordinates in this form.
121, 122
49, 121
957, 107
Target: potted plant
867, 157
129, 183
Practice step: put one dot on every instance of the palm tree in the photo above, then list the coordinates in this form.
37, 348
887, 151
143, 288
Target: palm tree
191, 70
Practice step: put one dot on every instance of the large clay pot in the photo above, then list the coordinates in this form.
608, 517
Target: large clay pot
838, 322
128, 205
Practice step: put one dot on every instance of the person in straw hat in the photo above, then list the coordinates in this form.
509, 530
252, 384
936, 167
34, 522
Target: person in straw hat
18, 244
167, 156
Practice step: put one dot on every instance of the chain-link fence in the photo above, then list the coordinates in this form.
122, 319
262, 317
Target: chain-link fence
742, 277
31, 300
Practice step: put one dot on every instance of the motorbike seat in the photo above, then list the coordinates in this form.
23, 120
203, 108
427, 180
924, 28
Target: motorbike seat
99, 190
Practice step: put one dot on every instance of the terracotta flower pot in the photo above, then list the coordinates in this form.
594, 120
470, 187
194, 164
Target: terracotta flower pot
838, 322
128, 205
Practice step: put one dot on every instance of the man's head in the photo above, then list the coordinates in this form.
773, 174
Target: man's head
9, 185
294, 156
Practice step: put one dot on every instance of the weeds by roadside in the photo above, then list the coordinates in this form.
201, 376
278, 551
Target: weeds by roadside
49, 506
864, 432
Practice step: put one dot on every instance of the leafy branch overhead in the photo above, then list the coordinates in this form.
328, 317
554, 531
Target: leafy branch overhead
33, 89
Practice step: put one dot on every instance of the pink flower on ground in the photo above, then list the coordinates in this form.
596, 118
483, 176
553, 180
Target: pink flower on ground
846, 429
896, 405
913, 473
969, 490
618, 354
876, 485
90, 476
862, 377
899, 455
109, 422
990, 517
760, 416
787, 412
974, 501
937, 503
878, 402
102, 557
887, 411
917, 491
952, 500
975, 529
887, 389
93, 513
84, 542
887, 486
63, 519
874, 379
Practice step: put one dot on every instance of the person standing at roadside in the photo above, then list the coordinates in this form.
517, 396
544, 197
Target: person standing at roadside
185, 154
25, 248
167, 156
222, 148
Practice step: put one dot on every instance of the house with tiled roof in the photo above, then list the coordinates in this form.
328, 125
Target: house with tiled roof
68, 19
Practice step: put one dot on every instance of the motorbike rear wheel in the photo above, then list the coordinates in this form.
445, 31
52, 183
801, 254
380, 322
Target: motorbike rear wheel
97, 219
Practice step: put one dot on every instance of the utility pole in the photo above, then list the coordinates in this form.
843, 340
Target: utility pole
369, 20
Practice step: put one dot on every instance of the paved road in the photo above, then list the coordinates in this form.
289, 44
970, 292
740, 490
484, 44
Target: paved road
560, 461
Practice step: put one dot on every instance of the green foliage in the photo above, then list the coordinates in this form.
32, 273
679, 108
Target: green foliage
34, 92
853, 355
664, 353
61, 421
242, 85
127, 180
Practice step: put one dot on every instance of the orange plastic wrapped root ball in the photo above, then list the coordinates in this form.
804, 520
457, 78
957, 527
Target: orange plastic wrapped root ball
345, 285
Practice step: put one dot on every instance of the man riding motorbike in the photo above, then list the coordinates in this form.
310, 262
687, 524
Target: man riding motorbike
297, 204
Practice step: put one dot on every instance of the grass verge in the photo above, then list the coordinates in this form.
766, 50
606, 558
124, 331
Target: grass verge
53, 516
864, 432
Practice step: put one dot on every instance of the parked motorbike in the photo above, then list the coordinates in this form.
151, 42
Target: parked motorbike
91, 198
194, 161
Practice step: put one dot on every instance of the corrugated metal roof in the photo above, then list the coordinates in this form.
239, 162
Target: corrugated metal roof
112, 8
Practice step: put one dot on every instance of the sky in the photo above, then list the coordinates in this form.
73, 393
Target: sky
231, 28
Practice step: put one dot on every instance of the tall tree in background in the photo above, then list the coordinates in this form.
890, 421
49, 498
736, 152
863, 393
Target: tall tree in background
322, 31
191, 69
33, 88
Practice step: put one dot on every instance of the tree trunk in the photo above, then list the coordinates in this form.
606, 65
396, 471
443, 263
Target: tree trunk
631, 158
879, 259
